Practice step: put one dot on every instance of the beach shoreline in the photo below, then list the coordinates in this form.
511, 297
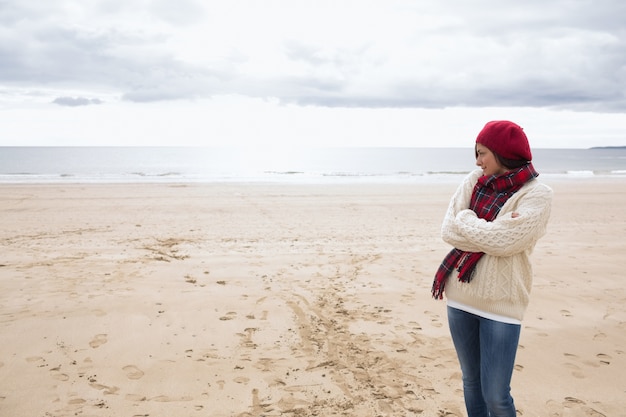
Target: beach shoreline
233, 299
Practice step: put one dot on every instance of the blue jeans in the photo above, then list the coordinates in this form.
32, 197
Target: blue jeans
486, 351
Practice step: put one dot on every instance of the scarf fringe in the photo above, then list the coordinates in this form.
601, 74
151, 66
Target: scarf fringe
466, 268
467, 265
437, 289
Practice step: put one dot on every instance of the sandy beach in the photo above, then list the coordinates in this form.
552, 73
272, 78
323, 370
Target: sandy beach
286, 300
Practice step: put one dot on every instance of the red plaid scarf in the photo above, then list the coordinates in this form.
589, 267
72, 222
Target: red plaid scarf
489, 195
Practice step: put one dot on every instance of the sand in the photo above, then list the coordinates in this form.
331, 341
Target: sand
286, 300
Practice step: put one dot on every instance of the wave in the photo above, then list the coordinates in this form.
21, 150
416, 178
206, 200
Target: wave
278, 177
327, 165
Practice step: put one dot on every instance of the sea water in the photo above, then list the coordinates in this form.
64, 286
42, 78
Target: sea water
319, 165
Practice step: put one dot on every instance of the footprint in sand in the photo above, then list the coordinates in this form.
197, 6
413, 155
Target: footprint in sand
76, 401
576, 371
242, 380
60, 376
33, 359
168, 399
554, 409
135, 397
229, 316
434, 319
604, 358
577, 404
132, 372
570, 401
98, 340
599, 336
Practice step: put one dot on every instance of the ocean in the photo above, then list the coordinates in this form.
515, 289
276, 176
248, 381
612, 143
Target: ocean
293, 165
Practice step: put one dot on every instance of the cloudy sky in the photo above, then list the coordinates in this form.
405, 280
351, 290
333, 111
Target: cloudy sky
310, 72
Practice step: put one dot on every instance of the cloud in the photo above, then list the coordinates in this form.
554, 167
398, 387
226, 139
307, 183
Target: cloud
76, 101
370, 54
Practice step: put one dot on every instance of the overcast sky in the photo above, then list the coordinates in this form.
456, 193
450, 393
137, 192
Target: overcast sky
316, 72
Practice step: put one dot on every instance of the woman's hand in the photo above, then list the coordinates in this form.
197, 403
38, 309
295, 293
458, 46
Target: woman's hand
514, 215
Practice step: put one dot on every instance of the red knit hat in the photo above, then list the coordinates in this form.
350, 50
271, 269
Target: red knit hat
506, 139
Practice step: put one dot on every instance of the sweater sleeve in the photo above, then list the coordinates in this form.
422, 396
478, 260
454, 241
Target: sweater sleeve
506, 236
450, 232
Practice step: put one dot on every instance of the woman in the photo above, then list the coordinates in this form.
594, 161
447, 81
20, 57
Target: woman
493, 221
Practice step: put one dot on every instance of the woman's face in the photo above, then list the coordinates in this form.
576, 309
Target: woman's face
487, 161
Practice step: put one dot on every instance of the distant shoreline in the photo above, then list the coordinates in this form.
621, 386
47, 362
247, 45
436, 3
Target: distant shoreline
608, 147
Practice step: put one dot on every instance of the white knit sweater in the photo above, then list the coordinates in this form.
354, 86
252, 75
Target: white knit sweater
503, 277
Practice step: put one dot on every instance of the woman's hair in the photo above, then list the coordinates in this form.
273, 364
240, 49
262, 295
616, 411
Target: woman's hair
509, 163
